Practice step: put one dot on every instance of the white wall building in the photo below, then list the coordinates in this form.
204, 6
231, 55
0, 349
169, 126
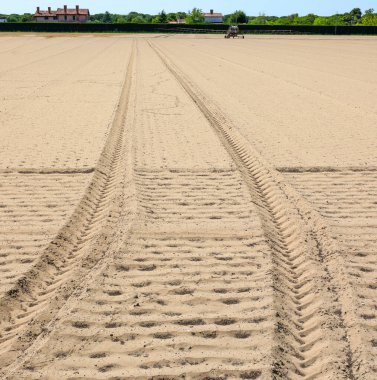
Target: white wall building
216, 18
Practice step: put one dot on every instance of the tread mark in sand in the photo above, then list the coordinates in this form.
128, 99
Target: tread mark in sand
80, 247
314, 328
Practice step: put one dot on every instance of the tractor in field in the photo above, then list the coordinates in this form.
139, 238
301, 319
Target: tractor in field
234, 32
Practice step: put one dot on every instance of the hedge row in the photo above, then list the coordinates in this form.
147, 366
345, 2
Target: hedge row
179, 28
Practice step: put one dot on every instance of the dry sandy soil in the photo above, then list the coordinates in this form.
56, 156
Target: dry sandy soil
183, 207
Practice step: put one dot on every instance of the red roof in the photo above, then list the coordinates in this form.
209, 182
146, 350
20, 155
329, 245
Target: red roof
70, 11
45, 13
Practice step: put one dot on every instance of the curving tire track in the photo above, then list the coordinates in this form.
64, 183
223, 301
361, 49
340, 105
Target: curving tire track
315, 328
81, 244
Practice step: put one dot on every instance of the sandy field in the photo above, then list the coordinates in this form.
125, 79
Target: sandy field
188, 207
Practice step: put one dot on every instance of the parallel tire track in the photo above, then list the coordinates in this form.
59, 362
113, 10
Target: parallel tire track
78, 247
315, 315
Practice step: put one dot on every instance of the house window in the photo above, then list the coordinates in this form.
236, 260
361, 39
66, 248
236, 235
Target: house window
55, 17
65, 18
46, 17
74, 18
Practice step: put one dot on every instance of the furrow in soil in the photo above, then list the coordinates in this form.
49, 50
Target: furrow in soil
315, 319
32, 302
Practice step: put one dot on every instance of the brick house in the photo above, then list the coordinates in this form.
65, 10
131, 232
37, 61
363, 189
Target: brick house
62, 15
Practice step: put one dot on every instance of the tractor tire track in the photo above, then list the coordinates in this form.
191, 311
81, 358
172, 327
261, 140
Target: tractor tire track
81, 244
315, 313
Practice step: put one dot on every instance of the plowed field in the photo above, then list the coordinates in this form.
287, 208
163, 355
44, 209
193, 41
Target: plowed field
188, 207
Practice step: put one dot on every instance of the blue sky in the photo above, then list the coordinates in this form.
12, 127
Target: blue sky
251, 7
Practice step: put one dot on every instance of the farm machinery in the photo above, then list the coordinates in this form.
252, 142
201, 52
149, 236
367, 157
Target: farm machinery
234, 32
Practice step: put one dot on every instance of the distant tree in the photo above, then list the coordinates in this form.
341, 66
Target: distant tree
131, 16
102, 17
148, 18
195, 16
14, 18
336, 20
286, 20
171, 17
353, 17
139, 19
107, 19
369, 18
161, 18
238, 17
262, 19
181, 15
120, 20
26, 17
356, 13
305, 20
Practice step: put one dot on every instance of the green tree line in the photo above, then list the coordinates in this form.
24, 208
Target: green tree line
195, 16
26, 17
354, 17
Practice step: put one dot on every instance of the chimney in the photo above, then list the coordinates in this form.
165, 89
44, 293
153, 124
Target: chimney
65, 9
77, 9
37, 9
49, 9
211, 11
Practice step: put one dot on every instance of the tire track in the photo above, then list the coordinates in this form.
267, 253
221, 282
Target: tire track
346, 200
315, 324
79, 246
184, 296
